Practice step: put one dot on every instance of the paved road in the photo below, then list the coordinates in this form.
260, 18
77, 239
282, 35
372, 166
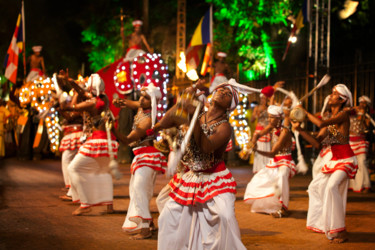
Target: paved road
33, 217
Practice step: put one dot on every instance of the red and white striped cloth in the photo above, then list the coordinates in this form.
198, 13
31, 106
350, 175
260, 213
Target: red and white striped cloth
264, 138
97, 145
72, 137
229, 146
283, 160
358, 144
148, 156
343, 158
198, 187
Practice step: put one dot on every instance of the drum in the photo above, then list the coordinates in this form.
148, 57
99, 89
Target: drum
297, 114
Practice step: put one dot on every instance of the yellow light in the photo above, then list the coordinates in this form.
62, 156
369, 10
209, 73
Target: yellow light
182, 63
192, 75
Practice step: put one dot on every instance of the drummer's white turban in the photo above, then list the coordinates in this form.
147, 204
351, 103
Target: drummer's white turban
344, 93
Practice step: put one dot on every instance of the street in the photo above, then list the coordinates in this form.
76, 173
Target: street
33, 217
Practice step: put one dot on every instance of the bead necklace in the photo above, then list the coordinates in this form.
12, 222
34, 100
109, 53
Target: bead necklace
209, 129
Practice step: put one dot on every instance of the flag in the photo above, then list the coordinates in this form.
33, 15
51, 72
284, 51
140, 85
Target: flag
15, 47
206, 64
193, 56
203, 33
303, 17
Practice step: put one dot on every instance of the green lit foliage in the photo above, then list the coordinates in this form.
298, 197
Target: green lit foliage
246, 27
106, 42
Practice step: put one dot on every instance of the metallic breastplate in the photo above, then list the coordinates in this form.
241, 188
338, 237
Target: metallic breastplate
263, 118
357, 126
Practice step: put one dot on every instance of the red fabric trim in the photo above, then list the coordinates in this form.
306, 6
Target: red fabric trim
199, 200
71, 129
347, 167
315, 229
357, 138
137, 46
340, 152
147, 149
100, 134
260, 197
283, 157
259, 127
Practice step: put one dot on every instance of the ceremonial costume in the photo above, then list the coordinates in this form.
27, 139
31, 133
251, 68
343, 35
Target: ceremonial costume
69, 146
328, 190
89, 171
147, 163
216, 80
268, 190
263, 143
199, 212
359, 145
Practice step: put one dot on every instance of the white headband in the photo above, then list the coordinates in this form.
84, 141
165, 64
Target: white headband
344, 93
365, 99
155, 94
275, 110
235, 87
97, 84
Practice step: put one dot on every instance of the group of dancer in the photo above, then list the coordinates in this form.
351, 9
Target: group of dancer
197, 206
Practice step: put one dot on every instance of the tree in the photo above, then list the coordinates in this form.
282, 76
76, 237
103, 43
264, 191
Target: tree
246, 28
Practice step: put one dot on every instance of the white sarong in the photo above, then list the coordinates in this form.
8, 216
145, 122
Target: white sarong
360, 147
268, 190
209, 225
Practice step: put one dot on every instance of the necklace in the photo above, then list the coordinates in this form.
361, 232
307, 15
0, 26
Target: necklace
209, 129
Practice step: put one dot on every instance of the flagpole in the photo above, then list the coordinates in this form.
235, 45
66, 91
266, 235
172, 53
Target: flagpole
24, 41
212, 43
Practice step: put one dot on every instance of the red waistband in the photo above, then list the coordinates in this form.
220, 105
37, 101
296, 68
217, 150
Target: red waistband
357, 138
341, 151
71, 129
282, 157
217, 168
145, 149
100, 134
134, 47
259, 127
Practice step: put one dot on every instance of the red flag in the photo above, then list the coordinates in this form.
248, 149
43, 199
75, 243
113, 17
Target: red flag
15, 47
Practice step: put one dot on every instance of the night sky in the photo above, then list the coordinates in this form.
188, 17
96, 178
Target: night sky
57, 26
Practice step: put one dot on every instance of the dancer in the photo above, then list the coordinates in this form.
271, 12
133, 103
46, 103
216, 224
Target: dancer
199, 213
328, 190
36, 61
71, 141
90, 169
135, 42
268, 190
359, 124
147, 163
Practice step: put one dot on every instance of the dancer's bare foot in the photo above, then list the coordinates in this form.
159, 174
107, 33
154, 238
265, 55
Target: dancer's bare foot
340, 238
280, 213
65, 198
152, 226
110, 209
144, 234
81, 210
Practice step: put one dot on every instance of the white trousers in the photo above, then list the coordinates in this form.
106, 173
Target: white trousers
91, 181
268, 190
141, 189
362, 178
211, 225
66, 157
327, 203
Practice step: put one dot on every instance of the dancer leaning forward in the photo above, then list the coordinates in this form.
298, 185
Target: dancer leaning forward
147, 163
328, 190
199, 213
268, 190
90, 170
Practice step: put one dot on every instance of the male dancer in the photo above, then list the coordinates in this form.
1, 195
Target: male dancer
328, 190
147, 163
